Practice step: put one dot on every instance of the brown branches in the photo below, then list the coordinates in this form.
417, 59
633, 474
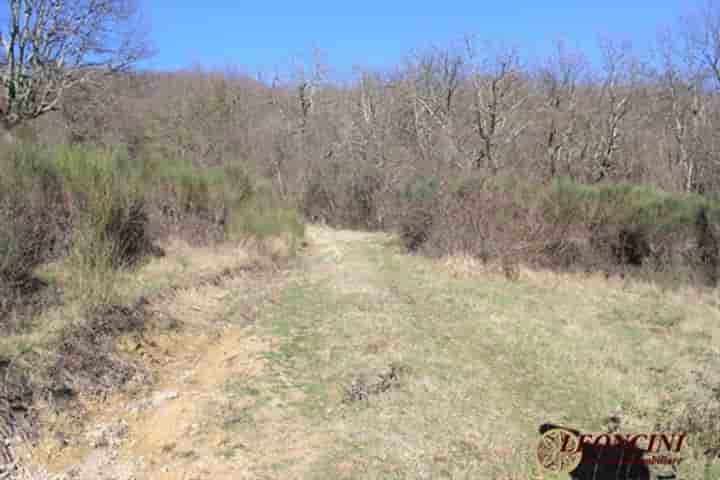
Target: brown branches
50, 46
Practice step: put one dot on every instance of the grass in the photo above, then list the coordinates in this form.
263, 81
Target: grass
489, 360
483, 361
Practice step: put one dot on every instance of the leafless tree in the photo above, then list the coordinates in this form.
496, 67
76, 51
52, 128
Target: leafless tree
702, 36
682, 77
559, 84
437, 76
50, 46
693, 77
300, 99
499, 92
372, 118
613, 105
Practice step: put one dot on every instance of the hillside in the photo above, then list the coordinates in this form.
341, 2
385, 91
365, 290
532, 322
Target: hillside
360, 361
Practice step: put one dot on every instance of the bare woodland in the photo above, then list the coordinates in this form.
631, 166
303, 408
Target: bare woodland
468, 117
471, 106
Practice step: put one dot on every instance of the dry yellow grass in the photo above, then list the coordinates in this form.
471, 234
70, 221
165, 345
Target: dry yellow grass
265, 370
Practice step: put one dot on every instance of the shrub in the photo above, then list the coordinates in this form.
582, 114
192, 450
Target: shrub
491, 219
416, 220
195, 202
361, 209
563, 225
344, 196
100, 210
708, 253
693, 407
320, 199
32, 217
631, 224
415, 228
261, 216
108, 206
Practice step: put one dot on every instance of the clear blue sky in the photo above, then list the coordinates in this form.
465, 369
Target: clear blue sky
260, 35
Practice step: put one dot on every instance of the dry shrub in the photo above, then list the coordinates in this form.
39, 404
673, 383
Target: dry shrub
34, 224
128, 228
707, 257
87, 348
319, 202
415, 228
25, 241
344, 196
463, 266
693, 407
417, 204
196, 203
360, 388
563, 254
364, 188
488, 220
567, 226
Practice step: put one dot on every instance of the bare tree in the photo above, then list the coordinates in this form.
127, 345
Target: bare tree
682, 77
559, 84
694, 78
499, 91
702, 36
613, 105
300, 96
372, 118
437, 77
50, 46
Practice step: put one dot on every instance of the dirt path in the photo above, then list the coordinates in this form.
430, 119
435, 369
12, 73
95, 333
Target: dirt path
364, 362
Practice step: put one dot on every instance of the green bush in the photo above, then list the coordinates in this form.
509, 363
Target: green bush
645, 208
108, 195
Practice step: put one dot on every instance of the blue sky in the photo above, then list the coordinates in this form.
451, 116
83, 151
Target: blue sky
262, 35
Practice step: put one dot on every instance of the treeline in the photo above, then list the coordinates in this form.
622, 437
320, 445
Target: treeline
392, 149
